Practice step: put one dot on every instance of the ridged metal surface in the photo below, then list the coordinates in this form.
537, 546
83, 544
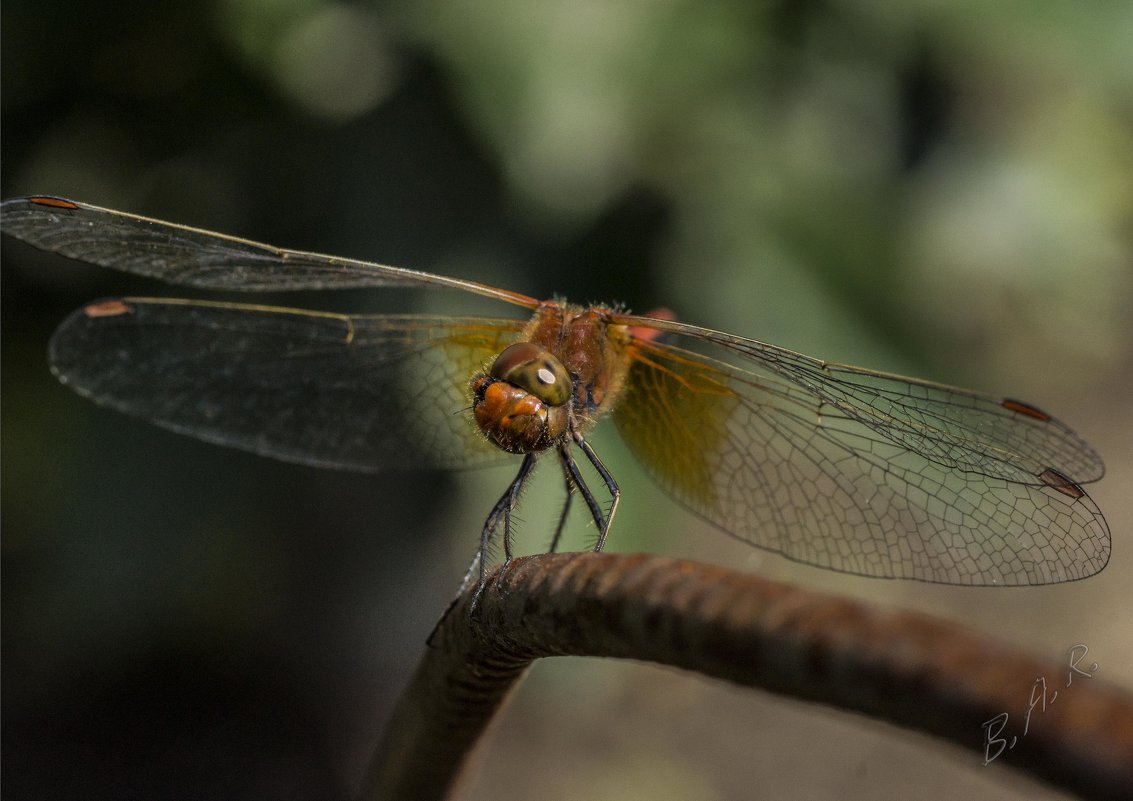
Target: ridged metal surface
910, 669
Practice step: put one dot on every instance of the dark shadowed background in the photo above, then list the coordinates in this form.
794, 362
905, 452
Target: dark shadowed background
940, 190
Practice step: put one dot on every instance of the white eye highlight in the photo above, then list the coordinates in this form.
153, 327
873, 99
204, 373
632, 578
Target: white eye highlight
534, 369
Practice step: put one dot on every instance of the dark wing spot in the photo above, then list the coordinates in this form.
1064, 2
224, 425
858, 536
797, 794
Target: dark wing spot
1053, 478
1025, 408
108, 308
54, 202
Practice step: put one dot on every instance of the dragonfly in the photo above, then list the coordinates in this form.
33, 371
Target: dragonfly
840, 467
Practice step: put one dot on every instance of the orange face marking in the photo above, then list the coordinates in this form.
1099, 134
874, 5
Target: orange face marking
514, 419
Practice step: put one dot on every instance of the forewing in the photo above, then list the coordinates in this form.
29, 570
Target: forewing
957, 428
189, 256
331, 390
864, 472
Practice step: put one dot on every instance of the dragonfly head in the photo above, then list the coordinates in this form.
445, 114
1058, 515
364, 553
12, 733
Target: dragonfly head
521, 403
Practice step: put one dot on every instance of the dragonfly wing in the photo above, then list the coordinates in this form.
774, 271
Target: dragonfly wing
956, 428
862, 472
330, 390
189, 256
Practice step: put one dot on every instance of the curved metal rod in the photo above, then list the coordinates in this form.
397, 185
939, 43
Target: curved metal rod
903, 667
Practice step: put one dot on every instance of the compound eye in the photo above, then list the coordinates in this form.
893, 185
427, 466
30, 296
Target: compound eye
534, 370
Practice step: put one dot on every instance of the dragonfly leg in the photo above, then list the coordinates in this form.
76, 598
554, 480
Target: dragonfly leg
512, 497
478, 566
571, 467
503, 508
566, 511
611, 485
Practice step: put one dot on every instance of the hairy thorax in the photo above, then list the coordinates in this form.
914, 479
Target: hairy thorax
567, 369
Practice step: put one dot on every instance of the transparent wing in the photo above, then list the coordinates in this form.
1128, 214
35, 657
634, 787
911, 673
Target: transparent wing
860, 471
194, 257
956, 428
330, 390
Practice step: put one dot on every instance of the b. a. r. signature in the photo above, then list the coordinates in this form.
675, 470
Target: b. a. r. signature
1041, 698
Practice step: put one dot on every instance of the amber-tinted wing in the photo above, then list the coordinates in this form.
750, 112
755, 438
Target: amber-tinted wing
332, 390
860, 471
194, 257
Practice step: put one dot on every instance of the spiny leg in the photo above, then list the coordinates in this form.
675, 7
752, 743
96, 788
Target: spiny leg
611, 485
504, 506
480, 559
595, 510
566, 511
513, 498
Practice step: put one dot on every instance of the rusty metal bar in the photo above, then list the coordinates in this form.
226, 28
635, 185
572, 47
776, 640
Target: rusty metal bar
906, 668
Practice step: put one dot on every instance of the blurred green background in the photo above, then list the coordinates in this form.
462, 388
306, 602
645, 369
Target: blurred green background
942, 189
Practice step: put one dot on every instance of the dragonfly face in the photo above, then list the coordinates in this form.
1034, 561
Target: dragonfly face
835, 466
567, 368
511, 404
